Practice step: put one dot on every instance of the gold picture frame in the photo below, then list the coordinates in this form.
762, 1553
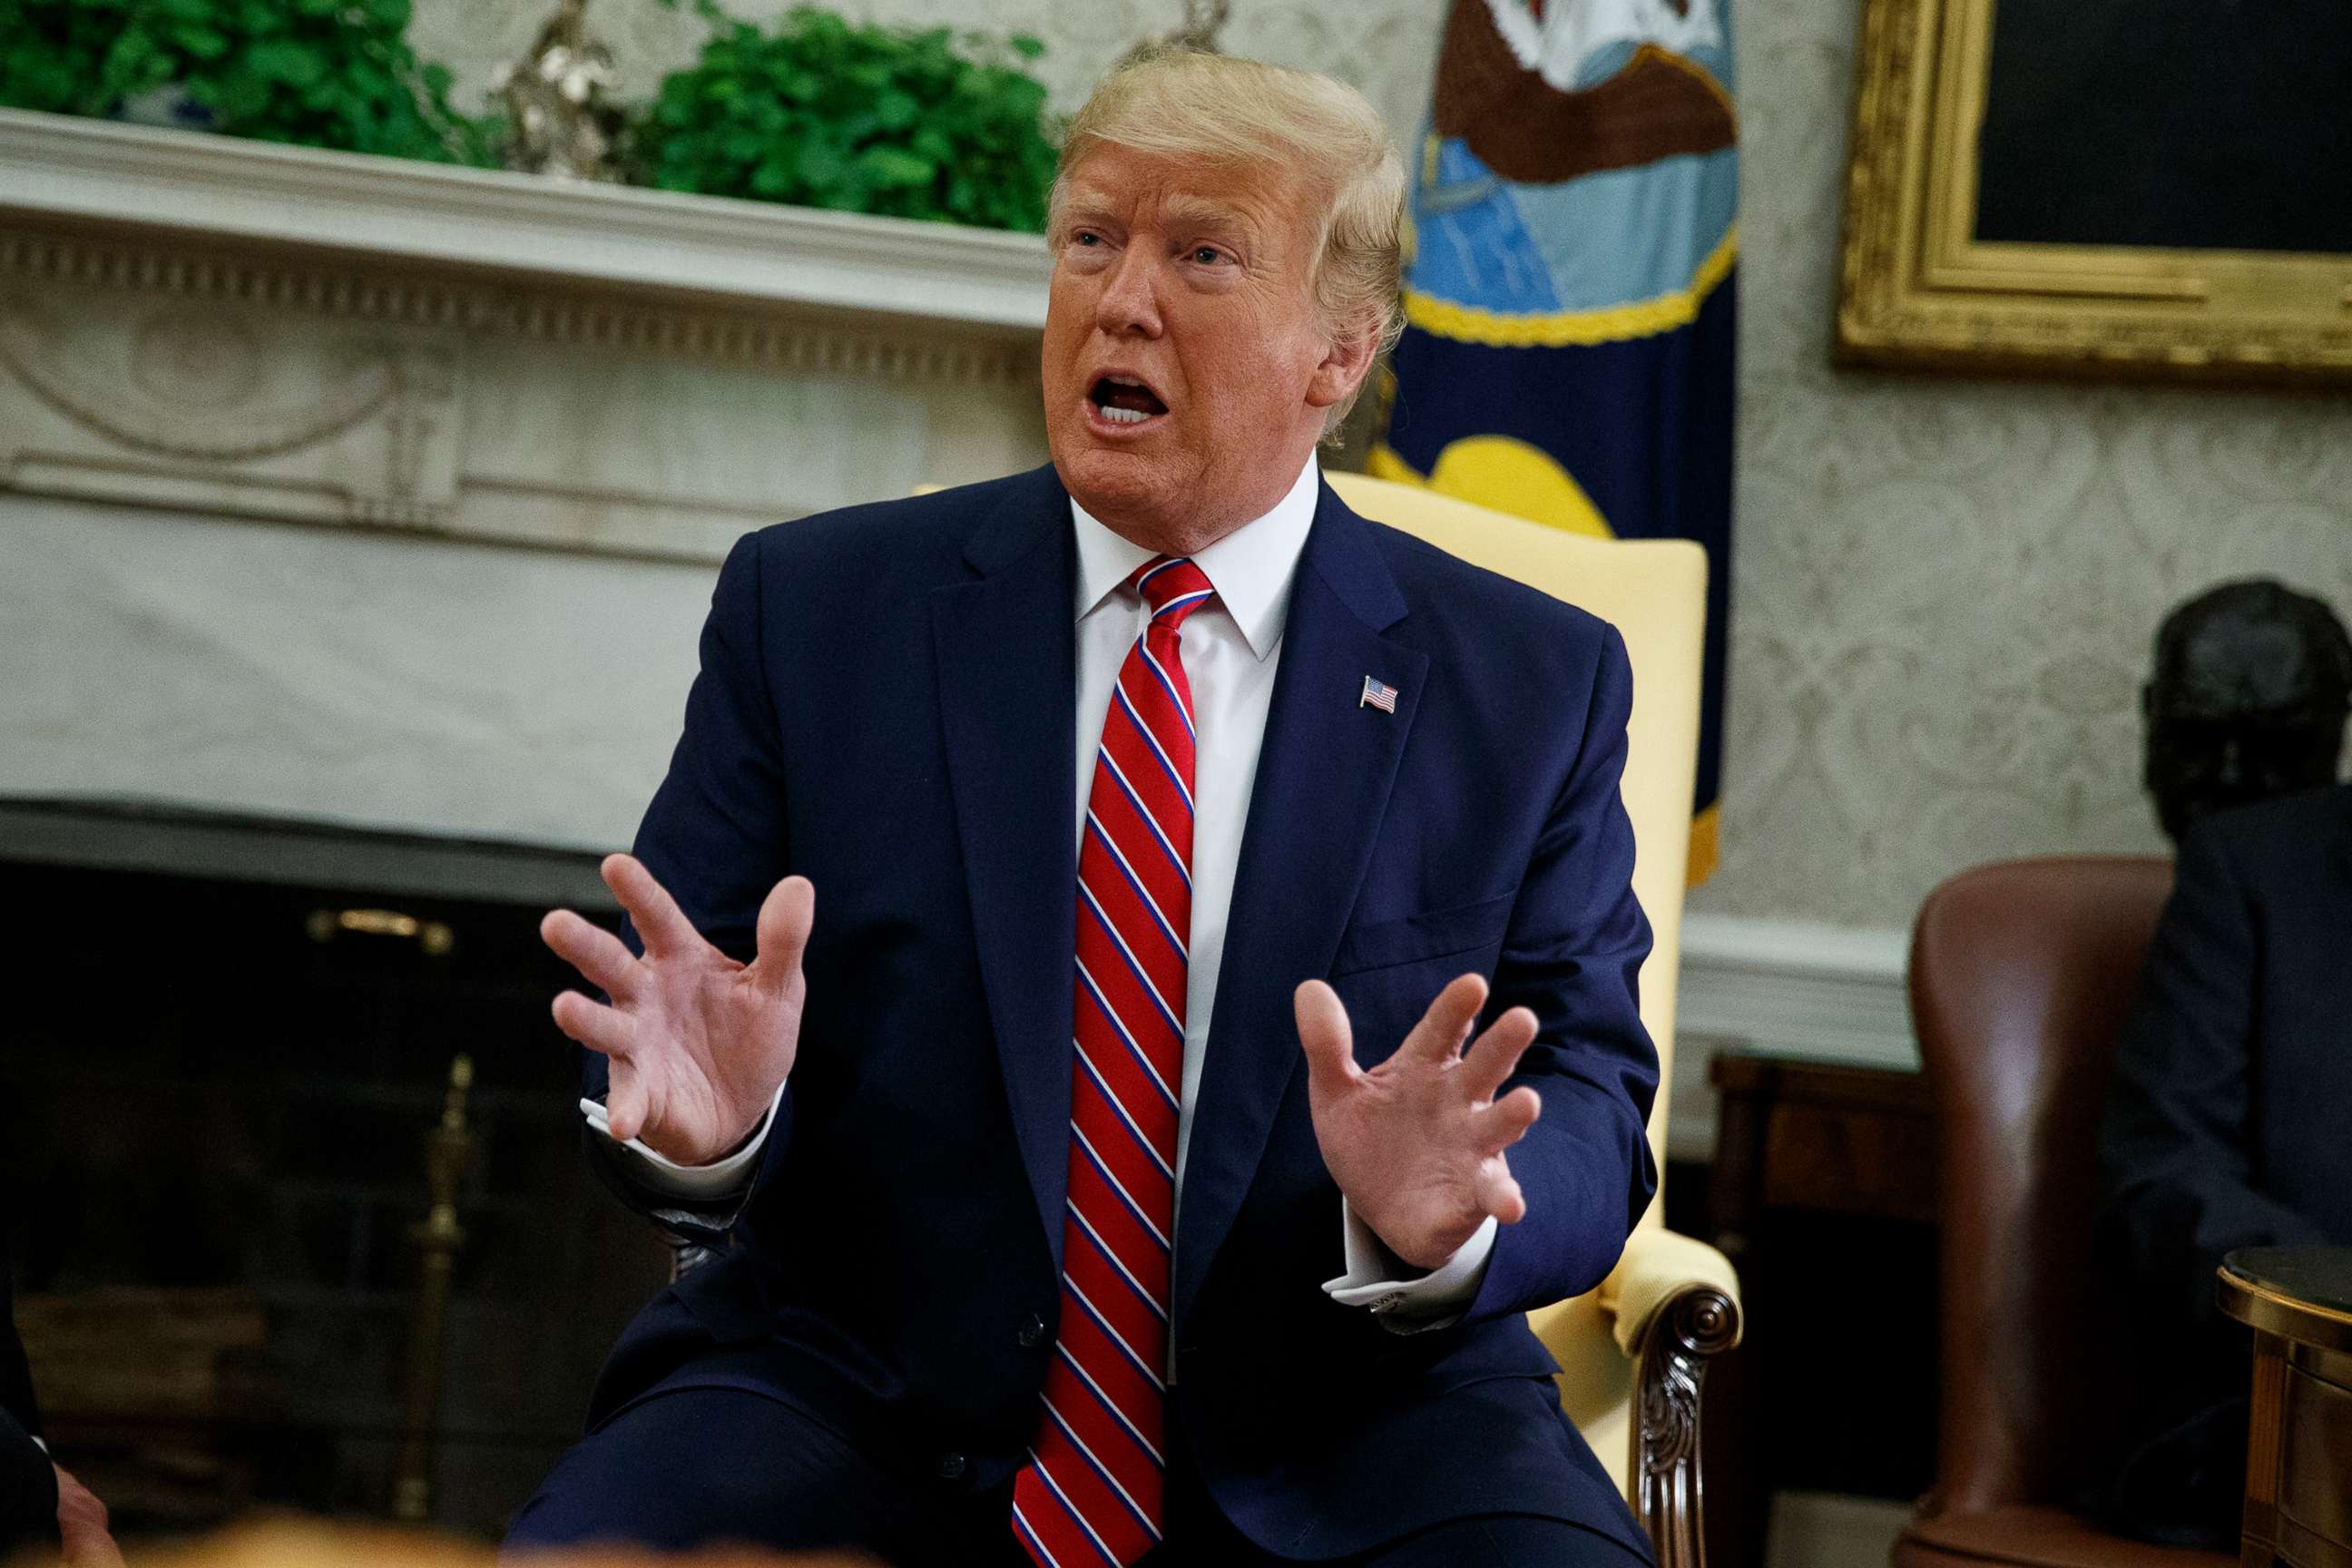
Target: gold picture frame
1919, 289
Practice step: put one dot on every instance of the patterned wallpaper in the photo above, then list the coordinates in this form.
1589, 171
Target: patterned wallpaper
1945, 590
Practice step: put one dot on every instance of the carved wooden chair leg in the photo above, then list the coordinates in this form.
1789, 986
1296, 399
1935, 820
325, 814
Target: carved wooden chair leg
1669, 1372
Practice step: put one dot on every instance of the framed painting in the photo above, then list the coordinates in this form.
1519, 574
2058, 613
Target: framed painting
2158, 188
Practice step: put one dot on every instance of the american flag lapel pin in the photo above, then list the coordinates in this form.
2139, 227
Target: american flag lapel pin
1377, 694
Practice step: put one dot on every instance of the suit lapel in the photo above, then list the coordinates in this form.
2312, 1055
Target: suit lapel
1007, 672
1323, 780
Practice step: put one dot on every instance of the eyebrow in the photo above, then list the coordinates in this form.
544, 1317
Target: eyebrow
1183, 212
1080, 208
1195, 212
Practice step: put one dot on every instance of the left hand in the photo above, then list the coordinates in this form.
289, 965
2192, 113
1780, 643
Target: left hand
82, 1525
1416, 1143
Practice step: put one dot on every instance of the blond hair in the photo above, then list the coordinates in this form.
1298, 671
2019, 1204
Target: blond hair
1185, 102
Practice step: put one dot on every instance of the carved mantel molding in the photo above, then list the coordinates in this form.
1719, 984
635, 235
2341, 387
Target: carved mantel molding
519, 227
228, 327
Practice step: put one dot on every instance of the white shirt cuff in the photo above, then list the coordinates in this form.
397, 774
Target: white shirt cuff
1435, 1301
667, 1176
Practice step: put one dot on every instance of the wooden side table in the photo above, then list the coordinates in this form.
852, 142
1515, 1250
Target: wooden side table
2298, 1301
1811, 1158
1824, 1137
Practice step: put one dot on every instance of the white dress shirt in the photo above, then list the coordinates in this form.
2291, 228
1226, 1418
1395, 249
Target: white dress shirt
1231, 647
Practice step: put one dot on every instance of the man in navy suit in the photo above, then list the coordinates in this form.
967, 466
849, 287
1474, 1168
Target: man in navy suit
1220, 1029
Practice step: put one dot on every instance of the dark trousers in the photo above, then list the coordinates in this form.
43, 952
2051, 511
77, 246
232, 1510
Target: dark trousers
704, 1464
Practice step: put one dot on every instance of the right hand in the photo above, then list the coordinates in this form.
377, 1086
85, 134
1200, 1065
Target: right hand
82, 1526
698, 1043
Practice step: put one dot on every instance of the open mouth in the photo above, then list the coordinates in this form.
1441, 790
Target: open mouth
1123, 400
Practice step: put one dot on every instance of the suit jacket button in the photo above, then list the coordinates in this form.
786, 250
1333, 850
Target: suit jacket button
1033, 1331
952, 1465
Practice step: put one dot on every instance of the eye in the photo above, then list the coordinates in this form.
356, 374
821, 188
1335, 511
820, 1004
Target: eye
1207, 255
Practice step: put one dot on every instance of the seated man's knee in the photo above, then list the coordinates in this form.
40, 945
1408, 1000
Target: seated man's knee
699, 1465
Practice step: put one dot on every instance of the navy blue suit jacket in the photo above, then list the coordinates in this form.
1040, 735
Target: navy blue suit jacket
885, 706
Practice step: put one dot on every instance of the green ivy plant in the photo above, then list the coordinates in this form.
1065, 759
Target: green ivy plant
864, 119
320, 73
53, 53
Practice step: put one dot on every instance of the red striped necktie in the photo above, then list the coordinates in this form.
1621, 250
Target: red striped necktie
1091, 1493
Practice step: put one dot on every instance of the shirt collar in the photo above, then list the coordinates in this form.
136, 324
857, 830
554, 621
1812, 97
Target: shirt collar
1250, 568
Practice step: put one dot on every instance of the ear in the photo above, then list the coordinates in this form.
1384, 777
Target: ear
1347, 359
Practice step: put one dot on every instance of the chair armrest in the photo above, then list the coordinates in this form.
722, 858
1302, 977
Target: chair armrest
1673, 1303
1659, 1266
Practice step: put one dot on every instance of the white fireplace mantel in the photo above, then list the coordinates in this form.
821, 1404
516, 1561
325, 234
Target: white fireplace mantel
206, 324
517, 227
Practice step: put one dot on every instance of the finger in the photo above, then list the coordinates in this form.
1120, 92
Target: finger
603, 959
1438, 1036
1496, 1127
82, 1525
786, 917
1324, 1034
658, 920
92, 1547
600, 1028
1498, 1193
1493, 1056
626, 1102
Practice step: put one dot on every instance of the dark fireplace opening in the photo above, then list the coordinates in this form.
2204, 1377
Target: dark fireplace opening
228, 1043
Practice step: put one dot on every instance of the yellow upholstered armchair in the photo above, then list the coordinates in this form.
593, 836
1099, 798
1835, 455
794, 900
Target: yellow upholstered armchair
1633, 1353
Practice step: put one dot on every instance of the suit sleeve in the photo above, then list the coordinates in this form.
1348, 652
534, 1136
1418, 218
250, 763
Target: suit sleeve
715, 837
28, 1484
28, 1490
2176, 1140
15, 1375
1573, 953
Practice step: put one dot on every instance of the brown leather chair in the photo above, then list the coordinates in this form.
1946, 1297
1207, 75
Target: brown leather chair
2020, 976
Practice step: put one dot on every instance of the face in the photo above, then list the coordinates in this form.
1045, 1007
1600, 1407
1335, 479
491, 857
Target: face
1186, 375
